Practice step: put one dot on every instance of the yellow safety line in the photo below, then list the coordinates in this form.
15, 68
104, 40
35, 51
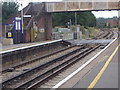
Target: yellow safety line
93, 83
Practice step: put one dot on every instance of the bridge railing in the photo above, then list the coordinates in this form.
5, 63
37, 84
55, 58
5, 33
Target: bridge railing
82, 6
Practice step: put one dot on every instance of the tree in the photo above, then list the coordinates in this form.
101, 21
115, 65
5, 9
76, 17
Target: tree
83, 18
9, 9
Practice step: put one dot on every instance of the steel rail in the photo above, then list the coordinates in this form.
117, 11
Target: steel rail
51, 73
37, 59
27, 73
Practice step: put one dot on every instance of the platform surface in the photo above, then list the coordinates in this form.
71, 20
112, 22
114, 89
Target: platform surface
8, 47
103, 41
108, 79
15, 47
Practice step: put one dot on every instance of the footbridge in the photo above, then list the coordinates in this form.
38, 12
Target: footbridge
81, 5
41, 14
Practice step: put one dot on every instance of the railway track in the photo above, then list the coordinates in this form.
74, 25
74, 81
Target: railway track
108, 34
45, 71
59, 68
99, 35
17, 69
40, 74
37, 59
16, 78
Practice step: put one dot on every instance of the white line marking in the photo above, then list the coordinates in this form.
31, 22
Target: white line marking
29, 46
80, 68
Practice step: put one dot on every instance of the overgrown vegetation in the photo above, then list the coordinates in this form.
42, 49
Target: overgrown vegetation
92, 32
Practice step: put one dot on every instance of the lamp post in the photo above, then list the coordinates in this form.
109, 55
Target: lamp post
70, 25
75, 18
22, 22
22, 17
75, 37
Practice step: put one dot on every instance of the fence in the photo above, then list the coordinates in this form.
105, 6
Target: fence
66, 36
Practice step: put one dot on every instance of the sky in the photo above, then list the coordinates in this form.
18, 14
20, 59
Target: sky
104, 14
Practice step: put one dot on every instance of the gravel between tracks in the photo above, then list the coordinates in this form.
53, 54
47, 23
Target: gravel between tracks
68, 71
19, 70
43, 70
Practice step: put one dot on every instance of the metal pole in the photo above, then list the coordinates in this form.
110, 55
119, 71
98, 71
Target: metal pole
75, 26
76, 21
22, 17
22, 38
70, 25
75, 18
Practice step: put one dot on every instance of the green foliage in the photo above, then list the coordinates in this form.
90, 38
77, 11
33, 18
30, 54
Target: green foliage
83, 18
9, 9
92, 32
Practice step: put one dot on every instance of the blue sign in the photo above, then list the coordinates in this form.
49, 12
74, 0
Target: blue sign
17, 24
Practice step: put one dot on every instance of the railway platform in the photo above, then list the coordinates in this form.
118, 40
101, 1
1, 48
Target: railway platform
15, 46
101, 72
9, 48
92, 41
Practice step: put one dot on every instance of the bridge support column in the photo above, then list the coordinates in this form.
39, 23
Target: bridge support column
48, 26
44, 22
